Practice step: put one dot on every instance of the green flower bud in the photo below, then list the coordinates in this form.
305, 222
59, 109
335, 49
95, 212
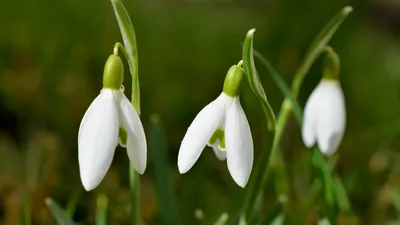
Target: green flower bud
332, 65
113, 75
233, 81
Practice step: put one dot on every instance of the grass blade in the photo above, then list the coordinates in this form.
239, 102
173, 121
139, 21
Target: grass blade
101, 213
158, 143
58, 213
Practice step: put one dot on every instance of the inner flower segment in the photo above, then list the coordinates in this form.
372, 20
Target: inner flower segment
218, 136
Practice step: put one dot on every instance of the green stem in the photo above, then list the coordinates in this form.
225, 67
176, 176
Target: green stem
119, 47
135, 195
27, 208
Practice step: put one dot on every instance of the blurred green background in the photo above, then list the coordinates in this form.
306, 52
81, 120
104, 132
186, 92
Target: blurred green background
52, 54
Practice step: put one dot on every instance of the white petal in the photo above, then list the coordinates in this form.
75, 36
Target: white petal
136, 140
332, 117
239, 144
200, 132
220, 153
97, 139
311, 113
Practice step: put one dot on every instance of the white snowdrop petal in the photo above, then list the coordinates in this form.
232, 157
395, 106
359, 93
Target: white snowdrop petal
332, 117
239, 144
97, 139
221, 154
311, 109
200, 132
136, 141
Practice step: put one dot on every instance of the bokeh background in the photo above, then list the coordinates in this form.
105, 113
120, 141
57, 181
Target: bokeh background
52, 54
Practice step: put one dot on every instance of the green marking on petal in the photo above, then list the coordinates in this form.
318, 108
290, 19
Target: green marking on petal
219, 134
123, 136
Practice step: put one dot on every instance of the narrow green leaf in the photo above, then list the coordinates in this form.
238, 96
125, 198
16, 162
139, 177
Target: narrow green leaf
279, 220
395, 195
27, 208
73, 202
275, 212
158, 142
324, 221
129, 38
101, 213
254, 79
58, 213
222, 219
340, 194
283, 87
317, 47
258, 205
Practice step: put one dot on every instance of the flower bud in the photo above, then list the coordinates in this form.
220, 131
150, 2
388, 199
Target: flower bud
113, 73
233, 81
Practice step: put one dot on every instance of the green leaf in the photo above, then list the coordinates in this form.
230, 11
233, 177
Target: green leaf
73, 201
101, 213
158, 143
258, 205
283, 87
324, 221
279, 220
317, 47
58, 213
340, 194
395, 195
129, 38
222, 219
274, 213
254, 79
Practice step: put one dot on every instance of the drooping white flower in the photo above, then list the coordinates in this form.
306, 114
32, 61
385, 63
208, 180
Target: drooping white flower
99, 129
325, 117
222, 125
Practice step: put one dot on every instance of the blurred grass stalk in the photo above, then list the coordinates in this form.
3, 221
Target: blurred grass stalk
164, 189
101, 213
58, 212
129, 39
274, 157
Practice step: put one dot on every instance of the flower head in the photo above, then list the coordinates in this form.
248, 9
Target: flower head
325, 111
222, 125
99, 129
325, 117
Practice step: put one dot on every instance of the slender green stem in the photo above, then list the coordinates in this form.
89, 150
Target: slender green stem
133, 175
27, 208
119, 47
135, 195
101, 214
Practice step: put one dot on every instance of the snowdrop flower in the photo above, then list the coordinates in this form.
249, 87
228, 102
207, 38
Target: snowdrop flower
222, 125
325, 113
100, 127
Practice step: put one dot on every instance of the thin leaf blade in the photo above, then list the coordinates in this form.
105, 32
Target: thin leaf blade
101, 213
58, 213
159, 145
254, 79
